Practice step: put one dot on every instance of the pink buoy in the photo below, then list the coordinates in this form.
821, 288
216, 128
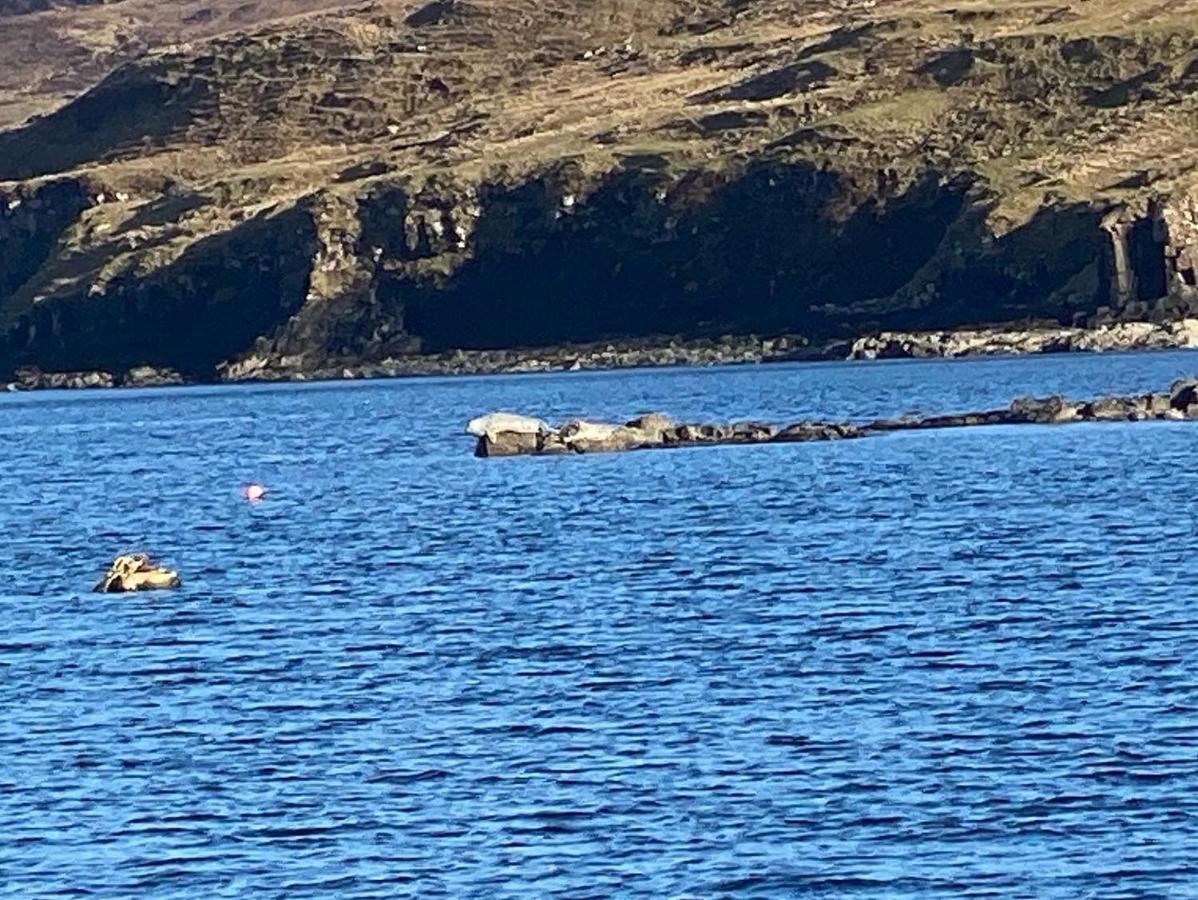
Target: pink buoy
254, 492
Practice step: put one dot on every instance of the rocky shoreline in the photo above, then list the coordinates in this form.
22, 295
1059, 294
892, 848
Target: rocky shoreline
664, 352
723, 351
506, 434
661, 353
1119, 336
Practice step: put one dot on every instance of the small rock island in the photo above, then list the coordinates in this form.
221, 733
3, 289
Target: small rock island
507, 434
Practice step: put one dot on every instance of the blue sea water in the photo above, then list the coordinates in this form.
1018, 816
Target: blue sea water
959, 663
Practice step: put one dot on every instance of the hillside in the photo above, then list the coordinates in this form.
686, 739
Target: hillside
236, 189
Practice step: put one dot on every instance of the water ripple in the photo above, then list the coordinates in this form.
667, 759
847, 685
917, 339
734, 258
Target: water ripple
954, 664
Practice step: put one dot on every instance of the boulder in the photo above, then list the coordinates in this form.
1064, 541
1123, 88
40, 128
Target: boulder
1183, 397
654, 426
1115, 409
1042, 410
1184, 332
581, 436
31, 378
801, 432
753, 432
1158, 405
149, 376
508, 443
703, 434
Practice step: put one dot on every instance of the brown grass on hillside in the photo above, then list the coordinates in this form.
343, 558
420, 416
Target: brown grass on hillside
248, 106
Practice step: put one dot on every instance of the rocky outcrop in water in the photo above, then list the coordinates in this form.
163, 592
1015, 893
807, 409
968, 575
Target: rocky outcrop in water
504, 434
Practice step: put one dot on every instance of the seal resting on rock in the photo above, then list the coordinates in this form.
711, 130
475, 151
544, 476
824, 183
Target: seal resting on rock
136, 572
506, 434
506, 423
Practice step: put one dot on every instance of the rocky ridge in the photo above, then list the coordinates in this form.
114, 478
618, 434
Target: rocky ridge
506, 434
229, 191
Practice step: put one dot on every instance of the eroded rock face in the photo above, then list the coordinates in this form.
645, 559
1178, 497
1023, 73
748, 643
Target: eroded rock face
658, 432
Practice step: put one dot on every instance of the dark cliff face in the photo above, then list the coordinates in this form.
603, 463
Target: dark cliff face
209, 304
775, 247
31, 223
650, 254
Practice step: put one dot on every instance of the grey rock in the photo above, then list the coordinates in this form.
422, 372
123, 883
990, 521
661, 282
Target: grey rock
801, 432
30, 379
654, 425
657, 431
1183, 396
149, 376
1043, 411
508, 443
1018, 341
